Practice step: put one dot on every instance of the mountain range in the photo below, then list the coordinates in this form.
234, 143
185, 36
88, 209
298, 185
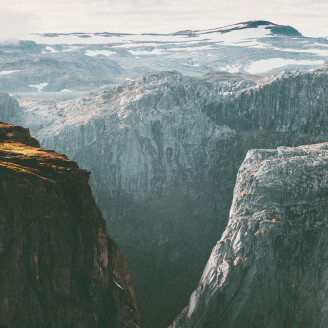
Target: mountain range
84, 62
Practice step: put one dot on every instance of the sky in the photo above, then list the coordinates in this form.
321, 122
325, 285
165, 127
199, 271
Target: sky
18, 18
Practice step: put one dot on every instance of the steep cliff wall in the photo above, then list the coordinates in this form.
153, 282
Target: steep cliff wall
9, 108
58, 267
269, 267
164, 152
283, 102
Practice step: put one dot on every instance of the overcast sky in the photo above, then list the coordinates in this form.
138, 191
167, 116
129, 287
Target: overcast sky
20, 17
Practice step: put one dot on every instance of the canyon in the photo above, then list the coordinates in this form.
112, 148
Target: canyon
164, 151
269, 267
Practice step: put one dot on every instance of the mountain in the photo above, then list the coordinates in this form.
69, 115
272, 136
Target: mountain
164, 152
269, 267
58, 266
269, 29
64, 65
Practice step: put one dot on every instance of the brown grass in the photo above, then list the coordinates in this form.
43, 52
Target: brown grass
19, 148
22, 169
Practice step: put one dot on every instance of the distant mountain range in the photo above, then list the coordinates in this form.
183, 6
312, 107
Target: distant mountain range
164, 147
67, 63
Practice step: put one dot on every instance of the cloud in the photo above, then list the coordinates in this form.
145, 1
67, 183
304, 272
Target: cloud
14, 24
22, 17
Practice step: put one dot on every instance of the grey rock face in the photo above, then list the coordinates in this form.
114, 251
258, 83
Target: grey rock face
284, 102
164, 152
270, 267
9, 108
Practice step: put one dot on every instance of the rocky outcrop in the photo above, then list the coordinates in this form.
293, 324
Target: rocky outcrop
284, 102
9, 108
269, 267
164, 152
58, 267
273, 28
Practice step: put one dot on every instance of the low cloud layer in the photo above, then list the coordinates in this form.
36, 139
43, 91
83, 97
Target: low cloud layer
19, 18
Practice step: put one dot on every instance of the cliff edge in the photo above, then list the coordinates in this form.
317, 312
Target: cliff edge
58, 266
269, 269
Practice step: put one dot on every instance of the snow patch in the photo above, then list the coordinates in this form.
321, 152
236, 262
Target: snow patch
93, 53
40, 86
51, 49
234, 38
71, 48
230, 69
128, 40
267, 65
145, 52
192, 65
318, 52
8, 72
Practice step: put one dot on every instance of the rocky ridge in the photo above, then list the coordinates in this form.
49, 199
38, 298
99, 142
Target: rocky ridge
269, 267
58, 267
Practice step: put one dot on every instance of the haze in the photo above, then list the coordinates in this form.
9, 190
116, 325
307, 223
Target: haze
19, 18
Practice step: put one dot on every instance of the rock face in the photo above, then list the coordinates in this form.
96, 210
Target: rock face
58, 267
9, 107
270, 267
164, 152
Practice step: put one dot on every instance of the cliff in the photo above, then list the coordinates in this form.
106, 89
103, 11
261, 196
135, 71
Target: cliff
9, 108
58, 267
164, 152
269, 267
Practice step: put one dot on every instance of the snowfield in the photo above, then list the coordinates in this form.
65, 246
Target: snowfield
93, 61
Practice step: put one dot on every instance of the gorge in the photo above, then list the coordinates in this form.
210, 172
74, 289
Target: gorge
164, 151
